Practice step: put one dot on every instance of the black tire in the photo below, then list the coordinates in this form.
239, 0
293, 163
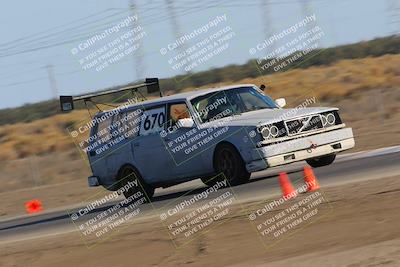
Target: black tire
228, 161
321, 161
129, 174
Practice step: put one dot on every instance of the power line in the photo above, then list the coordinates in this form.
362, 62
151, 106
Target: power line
81, 36
31, 42
151, 19
14, 42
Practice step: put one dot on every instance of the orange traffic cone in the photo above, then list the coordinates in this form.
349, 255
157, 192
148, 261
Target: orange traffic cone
286, 186
310, 179
33, 206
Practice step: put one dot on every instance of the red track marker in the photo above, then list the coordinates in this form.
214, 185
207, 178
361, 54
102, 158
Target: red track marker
33, 206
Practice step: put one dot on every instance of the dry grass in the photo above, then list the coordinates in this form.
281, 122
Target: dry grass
346, 78
39, 137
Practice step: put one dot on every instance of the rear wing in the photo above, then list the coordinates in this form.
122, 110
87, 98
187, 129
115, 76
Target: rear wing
151, 84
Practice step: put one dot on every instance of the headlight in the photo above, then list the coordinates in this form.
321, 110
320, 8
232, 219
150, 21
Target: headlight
270, 131
274, 131
328, 119
265, 132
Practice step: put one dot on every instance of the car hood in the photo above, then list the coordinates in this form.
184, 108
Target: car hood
267, 116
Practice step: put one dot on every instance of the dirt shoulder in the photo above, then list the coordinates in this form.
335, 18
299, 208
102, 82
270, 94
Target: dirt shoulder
361, 229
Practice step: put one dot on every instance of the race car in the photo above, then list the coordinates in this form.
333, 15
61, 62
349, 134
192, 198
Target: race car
212, 134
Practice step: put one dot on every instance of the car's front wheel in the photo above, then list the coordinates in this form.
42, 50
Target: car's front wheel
129, 174
321, 161
229, 162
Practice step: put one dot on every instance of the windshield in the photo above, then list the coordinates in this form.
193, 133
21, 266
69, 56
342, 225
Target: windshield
230, 102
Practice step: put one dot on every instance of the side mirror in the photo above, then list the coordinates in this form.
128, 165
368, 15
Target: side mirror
263, 87
281, 102
185, 123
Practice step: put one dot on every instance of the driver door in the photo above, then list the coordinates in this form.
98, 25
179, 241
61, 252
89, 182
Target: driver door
149, 151
180, 142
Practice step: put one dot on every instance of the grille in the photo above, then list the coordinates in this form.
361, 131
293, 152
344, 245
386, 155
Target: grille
304, 124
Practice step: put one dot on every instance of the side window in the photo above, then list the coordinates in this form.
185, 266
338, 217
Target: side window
103, 134
153, 120
177, 112
130, 123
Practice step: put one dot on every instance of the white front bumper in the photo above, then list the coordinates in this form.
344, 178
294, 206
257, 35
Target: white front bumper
300, 149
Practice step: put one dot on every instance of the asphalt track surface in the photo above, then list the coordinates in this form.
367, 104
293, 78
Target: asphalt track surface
356, 167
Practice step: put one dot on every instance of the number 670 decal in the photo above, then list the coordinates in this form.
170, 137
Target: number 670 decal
152, 121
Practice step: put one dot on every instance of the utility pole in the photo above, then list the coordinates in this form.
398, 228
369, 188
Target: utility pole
52, 81
267, 21
139, 64
306, 10
393, 10
175, 25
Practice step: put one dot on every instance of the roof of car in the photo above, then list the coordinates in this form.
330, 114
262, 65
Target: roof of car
183, 96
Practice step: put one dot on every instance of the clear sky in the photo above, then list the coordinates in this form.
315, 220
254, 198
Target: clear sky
35, 34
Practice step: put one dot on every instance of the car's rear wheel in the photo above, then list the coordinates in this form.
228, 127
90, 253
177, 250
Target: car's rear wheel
321, 161
228, 161
130, 174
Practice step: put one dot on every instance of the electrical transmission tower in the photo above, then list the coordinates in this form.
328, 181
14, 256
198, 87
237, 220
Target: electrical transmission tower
52, 81
175, 25
393, 11
139, 66
267, 21
307, 10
